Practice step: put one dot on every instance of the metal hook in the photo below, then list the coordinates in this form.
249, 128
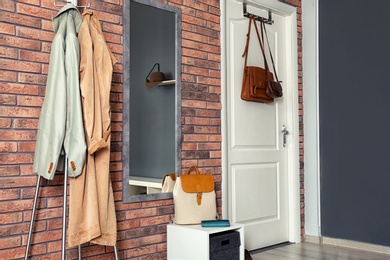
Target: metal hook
258, 18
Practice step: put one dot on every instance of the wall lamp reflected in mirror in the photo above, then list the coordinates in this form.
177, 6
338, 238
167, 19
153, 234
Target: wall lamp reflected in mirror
154, 78
157, 78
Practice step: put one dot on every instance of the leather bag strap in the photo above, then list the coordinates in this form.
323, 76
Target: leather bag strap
193, 168
264, 31
248, 36
246, 50
262, 49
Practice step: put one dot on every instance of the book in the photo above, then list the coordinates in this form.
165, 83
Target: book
215, 223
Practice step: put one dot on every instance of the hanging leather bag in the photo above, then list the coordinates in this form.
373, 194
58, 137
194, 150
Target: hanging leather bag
257, 80
254, 78
194, 197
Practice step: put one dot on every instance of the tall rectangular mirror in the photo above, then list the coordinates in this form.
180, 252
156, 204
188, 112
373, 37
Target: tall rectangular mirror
151, 98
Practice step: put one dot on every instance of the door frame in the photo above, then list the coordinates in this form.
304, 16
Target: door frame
292, 102
310, 61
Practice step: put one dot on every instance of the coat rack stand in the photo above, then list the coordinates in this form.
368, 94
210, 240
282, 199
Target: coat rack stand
63, 250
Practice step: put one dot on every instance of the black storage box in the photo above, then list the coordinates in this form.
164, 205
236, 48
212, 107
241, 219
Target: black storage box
225, 245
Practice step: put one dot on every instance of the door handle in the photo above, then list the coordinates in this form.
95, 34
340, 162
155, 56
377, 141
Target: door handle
284, 132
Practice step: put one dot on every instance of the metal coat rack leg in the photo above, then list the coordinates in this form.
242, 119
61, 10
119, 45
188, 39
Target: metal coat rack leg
63, 251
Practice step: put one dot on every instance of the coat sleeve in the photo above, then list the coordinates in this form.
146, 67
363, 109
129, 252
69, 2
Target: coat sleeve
102, 77
86, 77
74, 141
51, 128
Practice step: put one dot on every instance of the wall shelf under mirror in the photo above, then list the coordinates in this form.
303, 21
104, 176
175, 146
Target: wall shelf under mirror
142, 185
167, 82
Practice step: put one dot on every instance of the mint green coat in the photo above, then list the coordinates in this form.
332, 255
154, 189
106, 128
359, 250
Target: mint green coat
60, 128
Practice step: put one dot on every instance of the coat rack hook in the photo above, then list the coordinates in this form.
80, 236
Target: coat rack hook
257, 18
74, 2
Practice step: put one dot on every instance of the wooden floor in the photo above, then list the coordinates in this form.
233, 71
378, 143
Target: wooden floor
312, 251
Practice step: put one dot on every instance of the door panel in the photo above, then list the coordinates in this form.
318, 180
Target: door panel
257, 160
260, 181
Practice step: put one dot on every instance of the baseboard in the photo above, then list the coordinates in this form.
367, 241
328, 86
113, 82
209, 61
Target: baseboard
313, 239
348, 244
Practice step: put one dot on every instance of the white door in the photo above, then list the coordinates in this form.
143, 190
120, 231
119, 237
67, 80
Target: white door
256, 159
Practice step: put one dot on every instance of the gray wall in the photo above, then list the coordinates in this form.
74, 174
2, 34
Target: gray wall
152, 110
354, 98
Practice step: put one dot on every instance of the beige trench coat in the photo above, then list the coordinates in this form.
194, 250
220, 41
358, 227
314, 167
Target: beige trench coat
91, 205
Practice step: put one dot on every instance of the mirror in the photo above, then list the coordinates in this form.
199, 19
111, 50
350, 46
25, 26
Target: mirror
151, 110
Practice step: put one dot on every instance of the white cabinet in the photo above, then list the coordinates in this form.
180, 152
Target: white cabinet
191, 242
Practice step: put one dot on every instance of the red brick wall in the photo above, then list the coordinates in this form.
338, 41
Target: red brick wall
25, 40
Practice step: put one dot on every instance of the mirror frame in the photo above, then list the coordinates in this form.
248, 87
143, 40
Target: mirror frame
126, 197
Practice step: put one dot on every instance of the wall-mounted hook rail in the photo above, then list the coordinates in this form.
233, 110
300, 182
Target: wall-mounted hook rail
258, 18
74, 2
